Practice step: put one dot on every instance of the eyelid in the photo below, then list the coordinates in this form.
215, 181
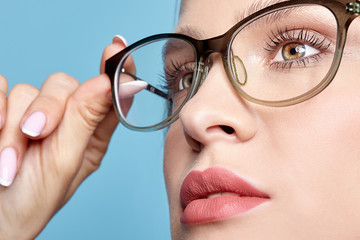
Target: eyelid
278, 38
175, 72
309, 37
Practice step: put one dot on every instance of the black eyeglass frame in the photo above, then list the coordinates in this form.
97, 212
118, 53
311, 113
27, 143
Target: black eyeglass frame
344, 11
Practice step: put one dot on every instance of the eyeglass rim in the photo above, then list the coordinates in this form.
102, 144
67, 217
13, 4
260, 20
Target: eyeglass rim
224, 41
170, 119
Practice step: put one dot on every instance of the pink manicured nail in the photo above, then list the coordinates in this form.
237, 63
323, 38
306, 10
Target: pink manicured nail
121, 39
129, 89
34, 125
8, 164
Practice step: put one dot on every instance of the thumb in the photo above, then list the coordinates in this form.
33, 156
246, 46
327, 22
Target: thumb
85, 110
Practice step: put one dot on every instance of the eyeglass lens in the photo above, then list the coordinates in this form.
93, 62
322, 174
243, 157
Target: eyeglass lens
279, 56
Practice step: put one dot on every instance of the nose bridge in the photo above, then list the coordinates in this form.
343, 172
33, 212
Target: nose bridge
206, 63
214, 45
235, 68
215, 108
211, 47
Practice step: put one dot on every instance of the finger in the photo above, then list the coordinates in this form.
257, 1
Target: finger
118, 44
97, 147
46, 111
13, 142
86, 108
127, 89
3, 91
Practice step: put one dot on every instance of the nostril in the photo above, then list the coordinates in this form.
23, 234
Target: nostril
227, 129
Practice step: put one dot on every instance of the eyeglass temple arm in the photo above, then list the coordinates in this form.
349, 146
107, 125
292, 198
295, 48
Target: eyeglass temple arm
150, 88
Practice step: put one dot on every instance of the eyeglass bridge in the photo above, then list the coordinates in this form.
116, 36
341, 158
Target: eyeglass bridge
353, 7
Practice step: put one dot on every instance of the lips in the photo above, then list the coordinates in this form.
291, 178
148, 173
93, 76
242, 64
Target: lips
215, 194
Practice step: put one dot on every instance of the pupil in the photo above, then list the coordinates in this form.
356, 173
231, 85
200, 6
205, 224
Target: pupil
293, 51
188, 80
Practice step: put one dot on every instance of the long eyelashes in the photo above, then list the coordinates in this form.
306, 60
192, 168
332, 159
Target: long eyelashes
172, 75
305, 36
175, 69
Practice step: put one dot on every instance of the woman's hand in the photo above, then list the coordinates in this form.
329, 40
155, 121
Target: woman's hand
51, 140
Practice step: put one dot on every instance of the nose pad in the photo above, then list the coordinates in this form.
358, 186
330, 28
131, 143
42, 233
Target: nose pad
239, 70
205, 70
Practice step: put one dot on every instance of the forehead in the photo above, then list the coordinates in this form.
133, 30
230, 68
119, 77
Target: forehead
203, 19
212, 17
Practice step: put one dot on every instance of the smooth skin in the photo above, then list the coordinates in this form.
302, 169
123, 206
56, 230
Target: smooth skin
306, 157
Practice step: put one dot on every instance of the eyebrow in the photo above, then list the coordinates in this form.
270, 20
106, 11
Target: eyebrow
192, 32
171, 48
240, 15
255, 7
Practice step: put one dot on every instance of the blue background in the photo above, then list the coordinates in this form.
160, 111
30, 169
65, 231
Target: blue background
125, 198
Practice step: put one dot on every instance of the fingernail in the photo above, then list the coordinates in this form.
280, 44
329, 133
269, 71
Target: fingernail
34, 125
129, 89
119, 39
8, 163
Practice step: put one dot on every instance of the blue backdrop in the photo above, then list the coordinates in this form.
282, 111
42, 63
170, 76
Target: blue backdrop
40, 37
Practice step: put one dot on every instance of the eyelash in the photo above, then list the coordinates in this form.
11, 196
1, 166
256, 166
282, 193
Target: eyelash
306, 36
174, 71
172, 74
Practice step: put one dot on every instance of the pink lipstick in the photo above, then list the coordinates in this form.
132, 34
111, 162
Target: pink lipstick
217, 193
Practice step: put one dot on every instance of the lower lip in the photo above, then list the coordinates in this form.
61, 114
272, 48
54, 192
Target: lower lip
214, 209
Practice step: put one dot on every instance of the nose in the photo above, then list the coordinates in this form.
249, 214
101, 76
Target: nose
217, 112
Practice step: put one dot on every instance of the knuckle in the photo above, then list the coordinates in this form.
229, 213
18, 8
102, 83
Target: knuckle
62, 80
23, 91
96, 150
92, 166
50, 102
90, 113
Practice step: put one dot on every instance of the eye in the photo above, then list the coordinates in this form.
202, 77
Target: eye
294, 51
186, 81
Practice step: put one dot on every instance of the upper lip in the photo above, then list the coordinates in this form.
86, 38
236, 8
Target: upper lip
215, 180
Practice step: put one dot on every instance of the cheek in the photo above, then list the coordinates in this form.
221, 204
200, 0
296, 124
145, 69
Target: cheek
177, 156
318, 144
326, 127
169, 154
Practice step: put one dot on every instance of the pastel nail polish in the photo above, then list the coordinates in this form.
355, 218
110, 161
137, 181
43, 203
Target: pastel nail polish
121, 39
8, 165
35, 124
129, 89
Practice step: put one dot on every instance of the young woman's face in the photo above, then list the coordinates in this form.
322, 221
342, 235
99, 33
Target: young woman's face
304, 160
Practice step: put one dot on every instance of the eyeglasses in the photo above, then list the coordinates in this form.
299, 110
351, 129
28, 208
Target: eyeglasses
281, 55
